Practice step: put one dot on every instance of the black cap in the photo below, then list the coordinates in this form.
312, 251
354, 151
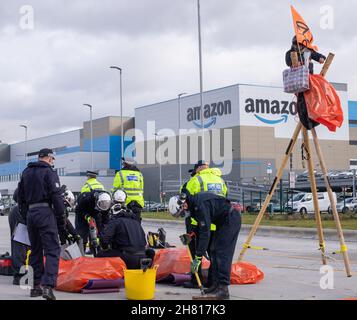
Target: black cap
46, 153
91, 174
201, 163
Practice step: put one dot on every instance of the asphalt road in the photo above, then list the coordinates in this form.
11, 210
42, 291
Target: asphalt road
291, 268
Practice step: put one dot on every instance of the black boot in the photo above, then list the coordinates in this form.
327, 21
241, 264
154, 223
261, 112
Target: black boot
211, 289
36, 292
221, 293
48, 293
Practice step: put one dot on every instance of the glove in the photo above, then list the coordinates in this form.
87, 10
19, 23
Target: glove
195, 264
63, 237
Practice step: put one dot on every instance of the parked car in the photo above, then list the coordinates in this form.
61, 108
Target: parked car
306, 204
345, 206
345, 175
293, 201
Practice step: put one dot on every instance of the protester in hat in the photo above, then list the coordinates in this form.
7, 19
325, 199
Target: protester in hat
41, 202
301, 50
131, 180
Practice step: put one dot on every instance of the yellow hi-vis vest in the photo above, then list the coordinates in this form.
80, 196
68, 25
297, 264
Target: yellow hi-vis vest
92, 184
132, 182
207, 180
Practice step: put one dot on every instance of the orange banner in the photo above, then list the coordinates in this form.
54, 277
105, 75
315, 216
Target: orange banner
302, 30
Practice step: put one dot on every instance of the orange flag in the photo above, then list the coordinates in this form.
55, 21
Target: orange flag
302, 30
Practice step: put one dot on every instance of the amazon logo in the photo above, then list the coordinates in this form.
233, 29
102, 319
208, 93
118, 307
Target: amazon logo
211, 112
263, 107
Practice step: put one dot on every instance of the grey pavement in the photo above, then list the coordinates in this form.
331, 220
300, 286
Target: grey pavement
291, 268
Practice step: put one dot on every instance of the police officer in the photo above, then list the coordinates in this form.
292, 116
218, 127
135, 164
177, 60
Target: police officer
209, 208
86, 206
202, 179
124, 236
18, 250
40, 200
206, 179
131, 180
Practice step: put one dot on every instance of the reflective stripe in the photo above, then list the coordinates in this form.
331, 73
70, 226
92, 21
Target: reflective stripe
133, 189
195, 223
133, 194
121, 178
199, 178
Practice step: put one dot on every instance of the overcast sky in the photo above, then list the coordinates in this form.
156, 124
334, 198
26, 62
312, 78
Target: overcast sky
48, 72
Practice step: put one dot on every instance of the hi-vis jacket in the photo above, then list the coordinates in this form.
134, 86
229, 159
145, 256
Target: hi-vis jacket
92, 184
132, 182
207, 180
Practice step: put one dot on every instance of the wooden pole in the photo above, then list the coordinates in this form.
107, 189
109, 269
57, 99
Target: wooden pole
327, 181
310, 166
333, 204
271, 192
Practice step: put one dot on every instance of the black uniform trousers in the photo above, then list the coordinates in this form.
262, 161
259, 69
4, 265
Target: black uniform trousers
222, 247
18, 250
43, 235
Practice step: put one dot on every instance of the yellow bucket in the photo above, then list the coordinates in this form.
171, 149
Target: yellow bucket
140, 285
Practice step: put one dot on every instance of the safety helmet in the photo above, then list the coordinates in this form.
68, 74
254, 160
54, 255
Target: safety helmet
176, 204
69, 198
119, 196
103, 201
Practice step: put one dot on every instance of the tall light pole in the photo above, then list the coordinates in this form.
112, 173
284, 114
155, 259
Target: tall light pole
201, 77
160, 173
91, 134
121, 110
23, 126
179, 135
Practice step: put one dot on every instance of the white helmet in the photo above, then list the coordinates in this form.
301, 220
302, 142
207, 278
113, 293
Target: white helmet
119, 196
176, 205
104, 201
69, 198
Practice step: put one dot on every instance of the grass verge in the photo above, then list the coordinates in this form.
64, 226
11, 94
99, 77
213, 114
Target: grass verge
348, 222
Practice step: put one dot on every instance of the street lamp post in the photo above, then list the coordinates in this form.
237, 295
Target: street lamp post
121, 110
23, 126
179, 135
201, 76
160, 173
91, 134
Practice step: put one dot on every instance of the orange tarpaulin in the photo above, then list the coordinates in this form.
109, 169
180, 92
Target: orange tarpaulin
177, 261
302, 31
323, 103
73, 275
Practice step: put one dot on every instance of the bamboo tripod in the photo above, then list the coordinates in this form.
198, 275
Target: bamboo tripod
299, 127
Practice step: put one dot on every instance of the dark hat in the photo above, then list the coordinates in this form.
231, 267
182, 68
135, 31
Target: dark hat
201, 163
46, 153
91, 173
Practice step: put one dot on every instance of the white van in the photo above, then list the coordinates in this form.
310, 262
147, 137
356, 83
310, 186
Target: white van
306, 204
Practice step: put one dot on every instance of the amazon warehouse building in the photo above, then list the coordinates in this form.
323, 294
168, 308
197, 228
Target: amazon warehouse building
247, 129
